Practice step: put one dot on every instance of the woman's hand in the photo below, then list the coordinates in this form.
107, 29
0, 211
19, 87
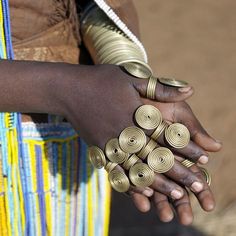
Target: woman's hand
101, 103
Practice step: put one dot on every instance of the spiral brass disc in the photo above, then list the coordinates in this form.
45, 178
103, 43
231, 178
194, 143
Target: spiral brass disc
148, 117
137, 70
187, 163
161, 160
141, 175
159, 130
132, 139
114, 152
119, 181
110, 166
173, 82
177, 135
206, 175
147, 149
130, 161
96, 157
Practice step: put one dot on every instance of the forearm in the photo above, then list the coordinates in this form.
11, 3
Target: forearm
27, 86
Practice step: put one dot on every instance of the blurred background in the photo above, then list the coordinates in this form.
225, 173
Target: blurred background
194, 41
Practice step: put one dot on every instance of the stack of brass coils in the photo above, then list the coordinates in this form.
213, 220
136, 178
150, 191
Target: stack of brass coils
132, 158
109, 45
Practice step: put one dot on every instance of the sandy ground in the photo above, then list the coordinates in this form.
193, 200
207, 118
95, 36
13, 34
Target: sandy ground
195, 41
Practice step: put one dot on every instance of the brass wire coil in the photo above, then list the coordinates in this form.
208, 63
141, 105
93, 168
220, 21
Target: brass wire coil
148, 117
96, 157
106, 43
173, 82
130, 161
137, 70
119, 181
151, 88
114, 152
110, 166
141, 175
206, 175
132, 139
161, 160
147, 149
177, 135
187, 163
159, 130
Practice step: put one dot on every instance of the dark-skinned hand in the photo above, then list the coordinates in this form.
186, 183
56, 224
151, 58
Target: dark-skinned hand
102, 103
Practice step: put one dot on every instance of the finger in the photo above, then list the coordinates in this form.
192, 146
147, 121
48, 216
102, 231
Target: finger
148, 192
164, 93
141, 202
199, 135
183, 114
205, 197
167, 187
185, 177
163, 208
183, 209
192, 151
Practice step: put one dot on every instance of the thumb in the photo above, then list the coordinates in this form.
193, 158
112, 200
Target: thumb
164, 93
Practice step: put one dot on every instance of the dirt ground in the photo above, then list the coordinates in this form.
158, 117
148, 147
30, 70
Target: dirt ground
195, 41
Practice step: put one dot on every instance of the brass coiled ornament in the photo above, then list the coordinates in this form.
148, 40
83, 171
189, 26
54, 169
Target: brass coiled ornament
151, 88
148, 117
159, 130
132, 139
206, 175
137, 70
96, 157
110, 166
114, 153
161, 160
147, 149
141, 175
187, 163
119, 181
130, 162
177, 135
173, 82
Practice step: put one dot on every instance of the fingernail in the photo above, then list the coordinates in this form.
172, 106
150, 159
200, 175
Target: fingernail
184, 90
203, 159
197, 186
176, 194
148, 192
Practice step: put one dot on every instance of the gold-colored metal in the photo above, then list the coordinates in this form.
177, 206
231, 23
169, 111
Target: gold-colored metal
110, 166
119, 181
147, 149
106, 43
130, 162
141, 175
187, 163
148, 117
137, 70
173, 82
159, 130
96, 157
161, 160
177, 135
206, 175
132, 139
114, 152
151, 87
